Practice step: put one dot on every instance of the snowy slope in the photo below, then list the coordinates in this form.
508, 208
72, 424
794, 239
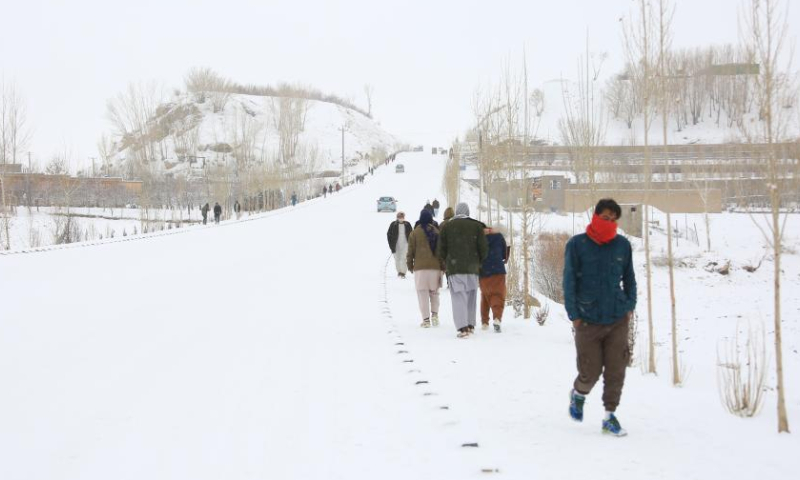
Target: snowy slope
196, 129
285, 347
546, 127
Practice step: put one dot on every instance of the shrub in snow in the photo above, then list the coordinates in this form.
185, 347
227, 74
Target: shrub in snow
549, 258
742, 373
541, 314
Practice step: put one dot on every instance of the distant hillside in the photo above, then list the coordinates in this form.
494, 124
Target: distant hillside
195, 131
710, 128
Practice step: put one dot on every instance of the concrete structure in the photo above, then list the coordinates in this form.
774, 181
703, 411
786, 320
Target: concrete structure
672, 201
632, 219
557, 193
42, 189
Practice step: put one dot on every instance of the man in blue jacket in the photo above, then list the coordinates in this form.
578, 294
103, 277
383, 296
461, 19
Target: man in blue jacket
595, 264
493, 280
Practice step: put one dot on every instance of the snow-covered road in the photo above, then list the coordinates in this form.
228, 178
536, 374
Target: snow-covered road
250, 350
285, 347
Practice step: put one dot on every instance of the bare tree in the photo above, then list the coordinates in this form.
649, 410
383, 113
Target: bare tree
130, 113
583, 127
369, 90
14, 137
639, 47
289, 115
665, 12
204, 82
764, 37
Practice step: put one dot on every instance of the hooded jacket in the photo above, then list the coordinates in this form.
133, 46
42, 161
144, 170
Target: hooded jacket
420, 256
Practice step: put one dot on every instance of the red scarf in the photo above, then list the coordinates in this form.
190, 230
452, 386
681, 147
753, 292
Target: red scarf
601, 231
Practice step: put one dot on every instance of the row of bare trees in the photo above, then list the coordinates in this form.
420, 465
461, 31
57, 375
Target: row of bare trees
713, 85
764, 86
207, 83
750, 86
15, 135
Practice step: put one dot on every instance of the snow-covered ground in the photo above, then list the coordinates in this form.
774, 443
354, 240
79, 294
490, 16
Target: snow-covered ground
39, 227
285, 347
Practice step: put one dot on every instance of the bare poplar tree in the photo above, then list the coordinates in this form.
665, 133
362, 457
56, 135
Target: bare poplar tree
665, 14
14, 137
369, 90
583, 128
204, 82
130, 113
764, 37
639, 48
289, 116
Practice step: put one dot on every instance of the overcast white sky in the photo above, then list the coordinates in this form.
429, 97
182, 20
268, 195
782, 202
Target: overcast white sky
424, 58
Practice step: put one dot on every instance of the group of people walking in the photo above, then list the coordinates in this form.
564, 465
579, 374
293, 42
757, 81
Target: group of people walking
326, 189
470, 254
217, 212
599, 289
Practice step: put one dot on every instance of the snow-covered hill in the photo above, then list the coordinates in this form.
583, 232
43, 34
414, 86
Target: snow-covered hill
193, 131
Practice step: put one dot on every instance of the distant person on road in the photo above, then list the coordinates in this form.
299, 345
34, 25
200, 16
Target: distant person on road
493, 280
397, 236
435, 206
237, 208
325, 191
449, 213
204, 211
294, 199
422, 261
595, 263
429, 209
463, 248
217, 212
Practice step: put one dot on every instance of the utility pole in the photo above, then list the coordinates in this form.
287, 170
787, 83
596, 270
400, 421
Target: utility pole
343, 130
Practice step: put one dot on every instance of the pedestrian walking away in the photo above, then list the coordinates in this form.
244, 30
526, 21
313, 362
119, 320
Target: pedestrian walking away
294, 199
397, 235
217, 212
493, 280
595, 264
325, 192
422, 261
463, 248
204, 211
449, 213
435, 206
429, 208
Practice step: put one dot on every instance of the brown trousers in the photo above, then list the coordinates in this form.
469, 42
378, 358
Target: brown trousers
493, 296
602, 349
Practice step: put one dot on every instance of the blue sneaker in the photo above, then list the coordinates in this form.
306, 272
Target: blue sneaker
611, 427
576, 405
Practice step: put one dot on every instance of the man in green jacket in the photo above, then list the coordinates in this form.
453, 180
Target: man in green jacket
600, 297
463, 248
